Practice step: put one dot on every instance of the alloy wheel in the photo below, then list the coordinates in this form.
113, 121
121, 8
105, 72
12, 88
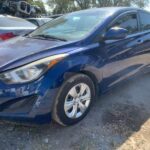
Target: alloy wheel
77, 100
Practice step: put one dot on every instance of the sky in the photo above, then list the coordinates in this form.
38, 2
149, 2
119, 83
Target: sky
44, 0
46, 6
148, 7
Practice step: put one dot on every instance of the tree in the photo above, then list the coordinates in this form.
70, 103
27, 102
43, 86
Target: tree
138, 3
38, 3
141, 3
63, 6
83, 4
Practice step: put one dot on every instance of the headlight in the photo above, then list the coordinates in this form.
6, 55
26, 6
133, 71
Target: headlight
30, 71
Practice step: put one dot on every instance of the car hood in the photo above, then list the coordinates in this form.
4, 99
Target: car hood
21, 50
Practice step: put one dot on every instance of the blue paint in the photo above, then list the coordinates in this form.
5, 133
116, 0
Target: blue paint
106, 62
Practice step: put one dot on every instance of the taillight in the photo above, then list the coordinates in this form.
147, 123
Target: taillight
6, 36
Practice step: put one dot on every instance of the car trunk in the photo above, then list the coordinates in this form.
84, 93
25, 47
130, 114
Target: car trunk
12, 26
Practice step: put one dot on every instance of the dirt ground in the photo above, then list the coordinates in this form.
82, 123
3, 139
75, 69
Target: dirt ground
120, 119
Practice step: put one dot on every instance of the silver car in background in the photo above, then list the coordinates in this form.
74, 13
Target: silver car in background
39, 21
14, 26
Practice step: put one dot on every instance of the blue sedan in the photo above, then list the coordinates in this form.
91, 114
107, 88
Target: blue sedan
57, 71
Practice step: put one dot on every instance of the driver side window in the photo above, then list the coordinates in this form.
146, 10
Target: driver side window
128, 22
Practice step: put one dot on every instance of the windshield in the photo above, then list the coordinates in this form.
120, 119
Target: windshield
73, 26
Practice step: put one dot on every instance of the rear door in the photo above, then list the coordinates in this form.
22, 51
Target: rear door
143, 49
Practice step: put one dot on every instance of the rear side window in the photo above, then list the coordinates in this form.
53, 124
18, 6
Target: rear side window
145, 21
14, 22
128, 22
34, 22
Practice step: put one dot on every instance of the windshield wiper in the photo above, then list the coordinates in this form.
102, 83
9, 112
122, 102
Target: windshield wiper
48, 37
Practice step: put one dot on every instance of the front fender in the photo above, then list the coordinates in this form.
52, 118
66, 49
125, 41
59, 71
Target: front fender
81, 63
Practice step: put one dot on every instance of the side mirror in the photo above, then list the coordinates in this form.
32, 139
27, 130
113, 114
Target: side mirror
115, 33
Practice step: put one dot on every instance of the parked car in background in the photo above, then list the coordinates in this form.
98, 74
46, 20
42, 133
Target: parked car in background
56, 71
39, 21
56, 16
13, 26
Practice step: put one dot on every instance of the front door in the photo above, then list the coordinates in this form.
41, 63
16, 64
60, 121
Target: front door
123, 59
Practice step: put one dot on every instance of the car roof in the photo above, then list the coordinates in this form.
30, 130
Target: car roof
39, 18
7, 21
117, 8
8, 16
56, 16
112, 9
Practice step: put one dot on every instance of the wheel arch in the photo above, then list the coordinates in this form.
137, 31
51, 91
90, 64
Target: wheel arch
91, 75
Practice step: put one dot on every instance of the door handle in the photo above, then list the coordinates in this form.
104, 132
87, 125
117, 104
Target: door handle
140, 41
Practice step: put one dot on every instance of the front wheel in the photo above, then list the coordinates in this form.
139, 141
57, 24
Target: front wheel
74, 100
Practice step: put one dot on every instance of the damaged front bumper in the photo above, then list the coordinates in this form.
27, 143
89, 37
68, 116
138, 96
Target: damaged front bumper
27, 103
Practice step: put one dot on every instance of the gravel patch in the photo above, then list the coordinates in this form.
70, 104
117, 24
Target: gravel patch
120, 119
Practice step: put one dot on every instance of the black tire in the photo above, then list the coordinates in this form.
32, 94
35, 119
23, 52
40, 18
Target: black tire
58, 112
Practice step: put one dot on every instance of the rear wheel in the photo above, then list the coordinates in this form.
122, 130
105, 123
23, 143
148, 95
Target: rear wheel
73, 100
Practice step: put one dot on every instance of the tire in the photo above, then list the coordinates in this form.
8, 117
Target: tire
77, 83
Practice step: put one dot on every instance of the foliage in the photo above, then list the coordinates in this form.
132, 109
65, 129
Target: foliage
138, 3
83, 4
38, 3
64, 6
61, 6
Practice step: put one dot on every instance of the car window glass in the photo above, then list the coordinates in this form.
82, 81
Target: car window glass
145, 21
128, 22
73, 26
34, 22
